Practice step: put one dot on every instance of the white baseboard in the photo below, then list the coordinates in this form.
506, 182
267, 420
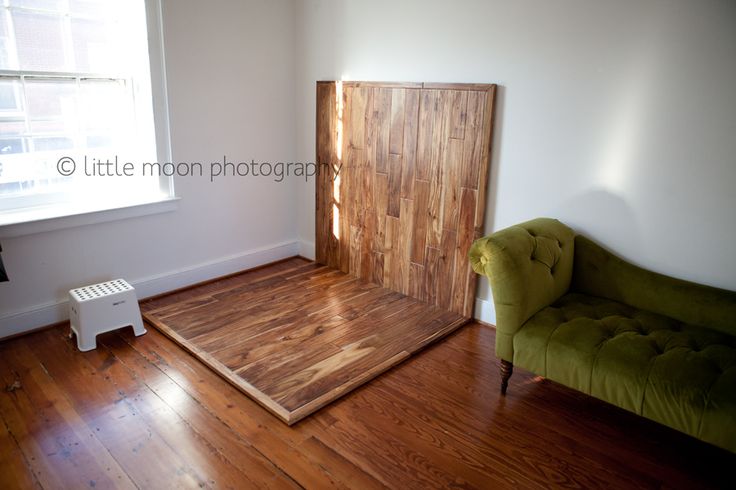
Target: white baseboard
33, 318
44, 314
48, 313
152, 285
485, 311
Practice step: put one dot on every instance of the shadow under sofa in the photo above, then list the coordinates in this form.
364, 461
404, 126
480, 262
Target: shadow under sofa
570, 311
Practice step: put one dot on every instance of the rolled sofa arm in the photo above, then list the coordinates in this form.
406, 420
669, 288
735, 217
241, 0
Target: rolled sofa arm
529, 266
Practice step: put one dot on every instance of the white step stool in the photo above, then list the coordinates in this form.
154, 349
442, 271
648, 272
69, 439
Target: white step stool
103, 307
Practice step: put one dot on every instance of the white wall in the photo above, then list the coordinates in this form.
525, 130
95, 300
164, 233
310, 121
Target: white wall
230, 68
619, 118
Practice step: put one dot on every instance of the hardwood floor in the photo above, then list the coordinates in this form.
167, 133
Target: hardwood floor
296, 335
141, 412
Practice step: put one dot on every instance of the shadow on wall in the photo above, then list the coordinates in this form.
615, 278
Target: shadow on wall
492, 183
598, 214
484, 308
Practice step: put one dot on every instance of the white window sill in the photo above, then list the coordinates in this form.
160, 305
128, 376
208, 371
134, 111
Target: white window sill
56, 217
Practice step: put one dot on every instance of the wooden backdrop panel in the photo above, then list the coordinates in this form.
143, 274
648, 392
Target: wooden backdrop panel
401, 187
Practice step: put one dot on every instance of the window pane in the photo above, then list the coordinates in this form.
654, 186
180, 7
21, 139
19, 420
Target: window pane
10, 98
107, 117
9, 187
52, 106
96, 8
95, 49
100, 141
38, 4
7, 60
24, 173
98, 107
52, 144
14, 175
40, 41
12, 127
10, 146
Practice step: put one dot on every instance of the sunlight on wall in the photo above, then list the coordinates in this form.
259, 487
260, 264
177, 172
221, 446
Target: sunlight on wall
628, 129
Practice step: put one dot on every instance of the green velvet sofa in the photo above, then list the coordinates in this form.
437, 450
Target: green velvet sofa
570, 311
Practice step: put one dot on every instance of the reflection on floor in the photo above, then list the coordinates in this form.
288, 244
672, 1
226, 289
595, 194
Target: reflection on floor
141, 412
296, 335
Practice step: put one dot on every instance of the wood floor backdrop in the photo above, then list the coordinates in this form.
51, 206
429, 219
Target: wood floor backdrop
297, 335
400, 198
401, 192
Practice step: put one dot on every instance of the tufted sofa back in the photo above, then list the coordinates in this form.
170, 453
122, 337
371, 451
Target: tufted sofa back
597, 272
529, 266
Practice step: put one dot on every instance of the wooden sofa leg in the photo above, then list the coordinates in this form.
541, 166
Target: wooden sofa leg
507, 370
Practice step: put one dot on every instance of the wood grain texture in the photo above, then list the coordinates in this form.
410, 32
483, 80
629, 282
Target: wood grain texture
299, 335
326, 142
412, 164
159, 418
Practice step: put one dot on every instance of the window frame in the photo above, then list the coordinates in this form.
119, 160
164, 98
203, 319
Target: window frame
56, 215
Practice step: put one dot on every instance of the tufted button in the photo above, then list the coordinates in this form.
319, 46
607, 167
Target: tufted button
546, 251
716, 366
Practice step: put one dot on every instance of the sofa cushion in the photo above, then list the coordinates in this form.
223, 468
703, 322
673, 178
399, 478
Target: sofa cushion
680, 375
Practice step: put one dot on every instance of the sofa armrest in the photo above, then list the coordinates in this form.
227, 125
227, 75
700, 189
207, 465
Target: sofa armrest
529, 266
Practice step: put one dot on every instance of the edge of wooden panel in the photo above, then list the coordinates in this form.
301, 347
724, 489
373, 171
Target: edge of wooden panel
294, 416
322, 216
442, 333
333, 395
489, 114
415, 85
251, 391
458, 86
379, 84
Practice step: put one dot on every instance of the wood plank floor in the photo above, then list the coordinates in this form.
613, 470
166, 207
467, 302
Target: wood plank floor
141, 412
297, 335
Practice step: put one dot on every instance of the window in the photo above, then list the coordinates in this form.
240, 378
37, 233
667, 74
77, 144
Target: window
76, 94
